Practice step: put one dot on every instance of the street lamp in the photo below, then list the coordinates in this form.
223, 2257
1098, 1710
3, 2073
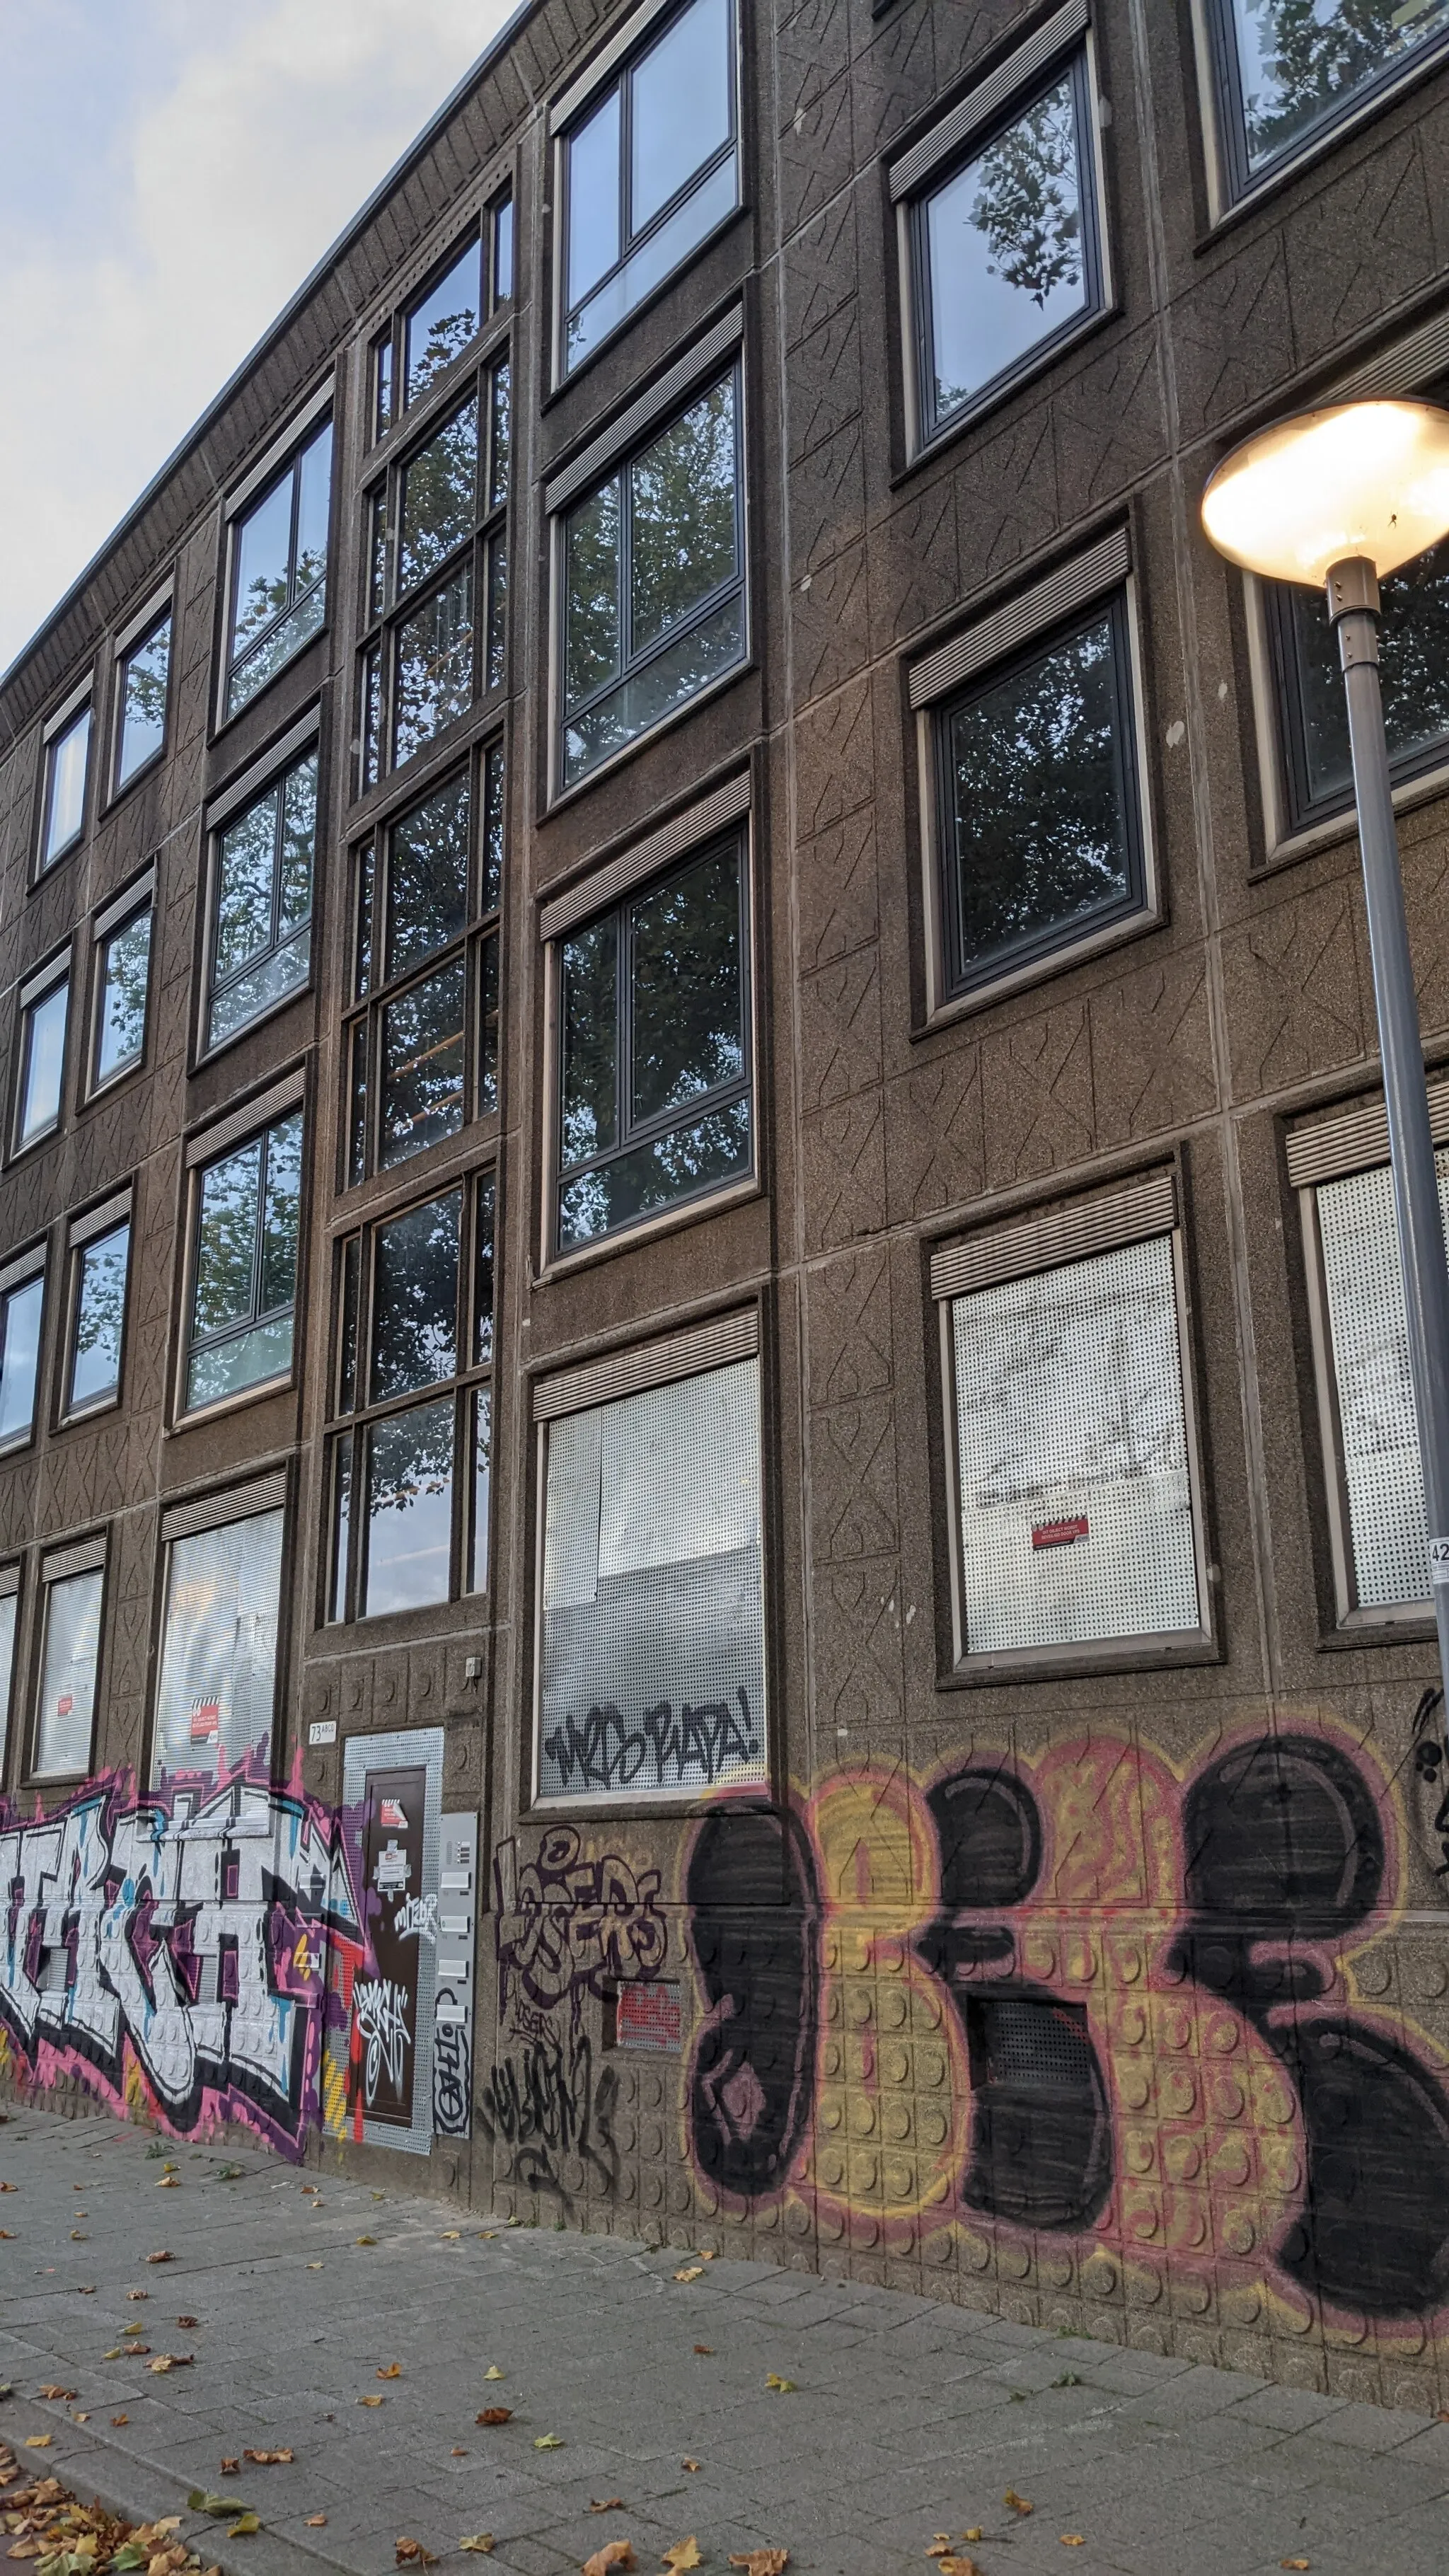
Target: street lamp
1341, 497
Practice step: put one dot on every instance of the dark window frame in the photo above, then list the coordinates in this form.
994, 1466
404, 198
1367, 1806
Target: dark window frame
932, 428
300, 440
385, 610
136, 641
355, 1413
1240, 182
58, 729
631, 664
1052, 947
267, 785
33, 990
620, 80
120, 1210
110, 922
630, 1136
1302, 810
189, 1341
478, 946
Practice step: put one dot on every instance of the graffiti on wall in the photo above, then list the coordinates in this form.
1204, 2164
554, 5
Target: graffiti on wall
1082, 1999
566, 1925
177, 1950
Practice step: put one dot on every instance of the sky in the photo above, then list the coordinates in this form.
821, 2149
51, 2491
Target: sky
169, 172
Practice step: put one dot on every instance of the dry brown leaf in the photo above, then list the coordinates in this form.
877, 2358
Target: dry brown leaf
163, 2257
691, 2465
187, 2322
615, 2553
959, 2567
451, 2235
270, 2459
707, 2349
53, 2389
120, 2419
364, 2240
38, 2441
231, 2468
7, 2232
493, 2371
482, 2542
940, 2546
371, 2401
1017, 2503
495, 2415
607, 2504
1295, 2562
691, 2272
763, 2562
392, 2370
78, 2236
9, 2186
138, 2294
683, 2555
411, 2553
316, 2521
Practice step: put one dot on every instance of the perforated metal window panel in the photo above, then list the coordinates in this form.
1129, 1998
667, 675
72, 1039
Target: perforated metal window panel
1075, 1497
653, 1626
1032, 2042
1382, 1474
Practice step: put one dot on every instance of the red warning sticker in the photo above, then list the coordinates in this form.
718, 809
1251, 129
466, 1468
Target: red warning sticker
1059, 1533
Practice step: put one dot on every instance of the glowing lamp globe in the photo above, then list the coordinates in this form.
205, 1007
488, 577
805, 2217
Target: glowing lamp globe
1364, 479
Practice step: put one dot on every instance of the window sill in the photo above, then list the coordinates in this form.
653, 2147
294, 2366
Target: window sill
1329, 137
153, 761
295, 662
1079, 1659
89, 1413
1343, 827
212, 1054
1038, 364
17, 1447
560, 387
113, 1082
566, 796
671, 1220
1410, 1624
237, 1403
43, 872
32, 1145
1039, 970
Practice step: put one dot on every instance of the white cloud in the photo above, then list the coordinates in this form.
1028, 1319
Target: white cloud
258, 132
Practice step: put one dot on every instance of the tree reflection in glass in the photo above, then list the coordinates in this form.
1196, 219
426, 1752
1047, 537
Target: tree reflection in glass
439, 497
1004, 252
427, 893
123, 978
100, 1311
143, 701
422, 1066
1299, 60
1413, 669
415, 1299
440, 325
245, 1284
409, 1508
434, 665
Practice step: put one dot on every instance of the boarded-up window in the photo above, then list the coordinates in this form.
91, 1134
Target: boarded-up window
1075, 1495
219, 1646
653, 1629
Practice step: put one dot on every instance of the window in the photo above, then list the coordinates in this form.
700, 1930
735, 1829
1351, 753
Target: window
1076, 1501
437, 545
261, 928
653, 582
142, 679
654, 1072
1375, 1479
63, 794
100, 1258
279, 570
40, 1073
1286, 72
217, 1687
422, 1052
650, 170
244, 1285
652, 1637
1317, 776
22, 1307
1005, 249
445, 319
9, 1605
70, 1653
415, 1351
122, 982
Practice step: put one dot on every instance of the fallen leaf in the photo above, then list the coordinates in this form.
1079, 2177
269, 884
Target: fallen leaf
763, 2562
781, 2387
120, 2419
270, 2459
547, 2442
691, 2272
457, 2452
392, 2370
173, 2361
230, 2173
79, 2417
185, 2322
138, 2294
691, 2465
85, 2289
940, 2547
38, 2441
1295, 2562
52, 2389
316, 2521
372, 2401
683, 2555
707, 2257
314, 2267
231, 2468
1068, 2379
243, 2527
958, 2567
7, 2232
481, 2542
707, 2349
162, 2257
201, 2500
364, 2240
495, 2415
78, 2236
9, 2186
493, 2371
169, 2182
451, 2235
1017, 2503
615, 2553
607, 2504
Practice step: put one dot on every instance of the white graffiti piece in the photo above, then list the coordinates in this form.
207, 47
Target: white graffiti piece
159, 1928
417, 1914
380, 2017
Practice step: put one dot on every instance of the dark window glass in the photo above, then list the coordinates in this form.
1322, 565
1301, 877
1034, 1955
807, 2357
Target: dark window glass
651, 169
262, 941
247, 1225
20, 1316
1041, 833
279, 573
1288, 68
42, 1062
439, 497
434, 674
123, 971
493, 825
417, 1293
382, 383
438, 328
1005, 252
654, 1078
499, 436
102, 1268
141, 712
427, 877
1413, 671
64, 808
503, 250
422, 1066
653, 579
377, 554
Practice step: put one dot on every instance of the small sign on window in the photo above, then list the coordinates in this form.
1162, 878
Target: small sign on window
1059, 1533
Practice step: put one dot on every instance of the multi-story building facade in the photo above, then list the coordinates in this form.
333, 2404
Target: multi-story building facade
709, 1521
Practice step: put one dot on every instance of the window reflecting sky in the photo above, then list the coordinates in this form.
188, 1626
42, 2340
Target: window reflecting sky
169, 172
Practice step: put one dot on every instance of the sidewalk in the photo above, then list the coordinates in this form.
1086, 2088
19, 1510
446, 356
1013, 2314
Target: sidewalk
907, 2419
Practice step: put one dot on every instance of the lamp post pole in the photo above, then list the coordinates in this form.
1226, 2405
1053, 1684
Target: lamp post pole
1353, 607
